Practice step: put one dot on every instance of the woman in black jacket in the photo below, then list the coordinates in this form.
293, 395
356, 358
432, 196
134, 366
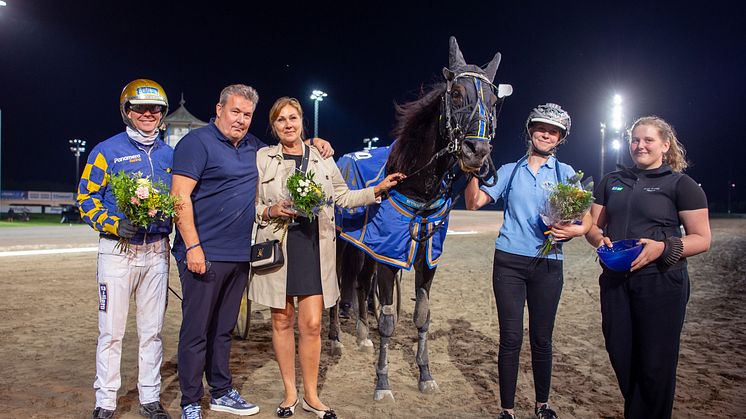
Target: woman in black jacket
643, 309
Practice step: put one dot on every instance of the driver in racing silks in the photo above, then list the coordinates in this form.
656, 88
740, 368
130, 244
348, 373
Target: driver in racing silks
141, 271
520, 273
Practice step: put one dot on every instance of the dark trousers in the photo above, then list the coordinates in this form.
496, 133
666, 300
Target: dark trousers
642, 319
517, 280
209, 313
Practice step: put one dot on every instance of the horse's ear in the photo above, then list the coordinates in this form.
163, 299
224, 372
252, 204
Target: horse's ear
455, 57
491, 69
448, 74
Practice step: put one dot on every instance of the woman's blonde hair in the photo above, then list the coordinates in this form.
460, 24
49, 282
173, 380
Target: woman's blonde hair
274, 113
676, 154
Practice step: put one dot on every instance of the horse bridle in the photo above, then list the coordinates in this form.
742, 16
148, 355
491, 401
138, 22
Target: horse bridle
455, 134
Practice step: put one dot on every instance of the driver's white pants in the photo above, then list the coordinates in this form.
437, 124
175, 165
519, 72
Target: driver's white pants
141, 272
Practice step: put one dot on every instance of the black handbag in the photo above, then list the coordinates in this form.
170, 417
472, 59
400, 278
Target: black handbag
267, 255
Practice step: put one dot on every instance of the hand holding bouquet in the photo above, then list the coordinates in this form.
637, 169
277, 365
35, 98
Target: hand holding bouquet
567, 203
141, 200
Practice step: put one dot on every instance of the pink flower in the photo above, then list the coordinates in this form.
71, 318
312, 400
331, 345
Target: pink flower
134, 200
142, 192
152, 212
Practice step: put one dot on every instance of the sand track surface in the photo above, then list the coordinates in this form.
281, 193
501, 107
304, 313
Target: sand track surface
48, 332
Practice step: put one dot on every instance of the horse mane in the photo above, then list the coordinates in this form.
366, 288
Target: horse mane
416, 132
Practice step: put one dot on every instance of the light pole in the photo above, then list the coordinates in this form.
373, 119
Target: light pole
603, 149
731, 189
317, 96
616, 144
1, 159
77, 147
369, 143
617, 122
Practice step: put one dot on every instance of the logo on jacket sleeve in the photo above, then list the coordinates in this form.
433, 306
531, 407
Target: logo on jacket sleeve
617, 188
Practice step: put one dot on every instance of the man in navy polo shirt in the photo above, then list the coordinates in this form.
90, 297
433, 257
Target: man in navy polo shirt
215, 176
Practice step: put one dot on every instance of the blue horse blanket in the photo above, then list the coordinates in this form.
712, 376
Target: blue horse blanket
382, 230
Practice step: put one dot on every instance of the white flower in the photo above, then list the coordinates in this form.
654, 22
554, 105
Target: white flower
299, 190
143, 182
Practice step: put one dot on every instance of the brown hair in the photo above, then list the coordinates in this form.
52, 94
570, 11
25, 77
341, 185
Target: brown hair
676, 154
274, 113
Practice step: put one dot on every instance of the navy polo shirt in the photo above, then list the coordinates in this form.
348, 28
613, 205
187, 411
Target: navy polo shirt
521, 233
224, 197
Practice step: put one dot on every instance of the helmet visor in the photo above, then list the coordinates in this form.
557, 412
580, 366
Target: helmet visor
548, 121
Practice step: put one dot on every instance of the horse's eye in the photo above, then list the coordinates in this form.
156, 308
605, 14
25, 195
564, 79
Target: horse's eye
456, 93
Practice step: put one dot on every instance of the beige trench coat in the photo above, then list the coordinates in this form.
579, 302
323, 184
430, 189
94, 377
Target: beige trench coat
268, 288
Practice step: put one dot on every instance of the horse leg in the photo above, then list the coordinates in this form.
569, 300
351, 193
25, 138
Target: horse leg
386, 326
336, 346
364, 279
346, 275
423, 280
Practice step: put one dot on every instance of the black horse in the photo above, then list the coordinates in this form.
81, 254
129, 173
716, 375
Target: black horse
440, 136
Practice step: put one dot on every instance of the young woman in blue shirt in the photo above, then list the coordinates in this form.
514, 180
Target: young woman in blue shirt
520, 273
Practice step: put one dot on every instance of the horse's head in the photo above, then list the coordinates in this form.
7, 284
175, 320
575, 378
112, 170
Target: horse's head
469, 108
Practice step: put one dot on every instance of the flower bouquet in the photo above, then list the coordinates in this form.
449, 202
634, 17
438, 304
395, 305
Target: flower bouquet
141, 200
566, 203
306, 195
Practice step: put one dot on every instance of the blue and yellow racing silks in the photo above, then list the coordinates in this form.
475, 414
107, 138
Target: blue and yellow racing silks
96, 200
382, 231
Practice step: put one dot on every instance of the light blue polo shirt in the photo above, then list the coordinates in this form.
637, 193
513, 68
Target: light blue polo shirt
521, 232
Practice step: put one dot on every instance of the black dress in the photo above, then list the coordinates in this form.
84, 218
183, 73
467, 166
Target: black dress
303, 260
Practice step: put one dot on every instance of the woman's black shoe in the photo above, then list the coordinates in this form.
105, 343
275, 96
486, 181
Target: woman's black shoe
321, 414
544, 412
286, 412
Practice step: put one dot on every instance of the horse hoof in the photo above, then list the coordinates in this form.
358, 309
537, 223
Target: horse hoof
428, 387
336, 347
365, 346
385, 395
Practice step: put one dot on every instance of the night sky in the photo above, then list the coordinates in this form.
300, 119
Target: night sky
63, 65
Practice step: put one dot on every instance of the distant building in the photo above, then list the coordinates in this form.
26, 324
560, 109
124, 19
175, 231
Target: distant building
179, 123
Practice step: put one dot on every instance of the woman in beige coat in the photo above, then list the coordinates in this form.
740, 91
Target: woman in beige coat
310, 251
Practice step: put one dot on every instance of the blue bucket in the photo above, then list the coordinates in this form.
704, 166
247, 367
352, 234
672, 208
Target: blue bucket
620, 255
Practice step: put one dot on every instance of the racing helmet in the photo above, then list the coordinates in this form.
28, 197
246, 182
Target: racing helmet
552, 114
142, 92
